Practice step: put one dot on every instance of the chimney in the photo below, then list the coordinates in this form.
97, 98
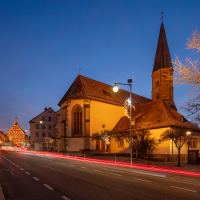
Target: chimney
45, 108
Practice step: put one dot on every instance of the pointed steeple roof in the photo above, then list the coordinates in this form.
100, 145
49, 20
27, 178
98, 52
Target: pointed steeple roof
162, 58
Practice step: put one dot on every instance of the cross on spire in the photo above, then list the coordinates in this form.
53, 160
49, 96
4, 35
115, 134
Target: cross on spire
79, 71
162, 16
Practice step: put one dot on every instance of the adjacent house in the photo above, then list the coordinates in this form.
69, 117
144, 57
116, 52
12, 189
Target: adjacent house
15, 134
41, 130
3, 137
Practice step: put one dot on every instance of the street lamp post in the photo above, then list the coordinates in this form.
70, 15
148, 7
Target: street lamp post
188, 134
115, 89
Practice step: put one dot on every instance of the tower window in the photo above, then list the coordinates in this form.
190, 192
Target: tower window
157, 96
157, 83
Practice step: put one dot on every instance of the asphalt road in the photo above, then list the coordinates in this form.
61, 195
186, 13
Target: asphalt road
31, 176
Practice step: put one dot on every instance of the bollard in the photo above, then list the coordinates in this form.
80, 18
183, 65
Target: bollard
115, 158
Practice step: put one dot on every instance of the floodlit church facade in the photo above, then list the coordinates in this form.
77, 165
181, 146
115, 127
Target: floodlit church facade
90, 106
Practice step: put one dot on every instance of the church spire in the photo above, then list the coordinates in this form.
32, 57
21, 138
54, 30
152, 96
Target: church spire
162, 57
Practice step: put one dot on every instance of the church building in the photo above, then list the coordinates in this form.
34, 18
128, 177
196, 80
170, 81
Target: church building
90, 106
16, 135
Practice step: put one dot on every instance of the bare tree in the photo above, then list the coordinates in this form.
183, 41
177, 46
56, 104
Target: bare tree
179, 137
189, 73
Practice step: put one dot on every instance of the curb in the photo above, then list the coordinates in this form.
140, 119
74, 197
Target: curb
1, 193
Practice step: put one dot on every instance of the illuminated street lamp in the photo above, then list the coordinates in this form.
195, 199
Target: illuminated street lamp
188, 134
115, 89
40, 122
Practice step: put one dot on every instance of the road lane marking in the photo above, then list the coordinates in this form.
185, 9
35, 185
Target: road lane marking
96, 170
142, 180
115, 174
12, 173
66, 198
83, 167
17, 166
27, 173
36, 178
184, 189
71, 165
48, 186
21, 168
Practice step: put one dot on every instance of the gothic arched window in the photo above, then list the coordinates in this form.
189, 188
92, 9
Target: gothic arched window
77, 120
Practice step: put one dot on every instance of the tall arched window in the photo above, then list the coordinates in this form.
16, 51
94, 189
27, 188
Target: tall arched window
77, 120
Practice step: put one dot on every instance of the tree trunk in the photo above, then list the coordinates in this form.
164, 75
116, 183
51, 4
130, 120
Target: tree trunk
179, 157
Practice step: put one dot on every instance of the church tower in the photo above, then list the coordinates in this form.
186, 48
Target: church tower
162, 75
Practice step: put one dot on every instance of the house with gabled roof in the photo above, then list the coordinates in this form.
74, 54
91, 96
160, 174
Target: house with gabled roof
15, 134
90, 106
41, 130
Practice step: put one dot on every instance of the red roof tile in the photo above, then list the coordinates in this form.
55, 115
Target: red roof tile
86, 88
155, 114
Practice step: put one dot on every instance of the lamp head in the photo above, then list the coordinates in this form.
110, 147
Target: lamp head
188, 133
40, 122
115, 88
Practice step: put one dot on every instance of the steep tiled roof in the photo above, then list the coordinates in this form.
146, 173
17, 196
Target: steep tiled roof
86, 88
162, 57
152, 115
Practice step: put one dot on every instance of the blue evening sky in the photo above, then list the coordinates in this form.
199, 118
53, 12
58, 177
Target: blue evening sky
43, 44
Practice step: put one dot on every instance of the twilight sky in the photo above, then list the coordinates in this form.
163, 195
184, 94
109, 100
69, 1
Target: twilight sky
43, 44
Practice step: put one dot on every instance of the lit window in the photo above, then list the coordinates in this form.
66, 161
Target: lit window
121, 143
37, 126
77, 123
97, 144
193, 142
43, 134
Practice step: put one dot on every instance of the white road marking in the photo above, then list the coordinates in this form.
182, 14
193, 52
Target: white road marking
83, 167
27, 173
21, 168
36, 178
96, 170
12, 173
17, 166
71, 165
66, 198
142, 180
115, 174
48, 186
184, 189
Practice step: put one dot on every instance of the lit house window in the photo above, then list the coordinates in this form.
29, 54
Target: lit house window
77, 120
37, 126
193, 142
121, 143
